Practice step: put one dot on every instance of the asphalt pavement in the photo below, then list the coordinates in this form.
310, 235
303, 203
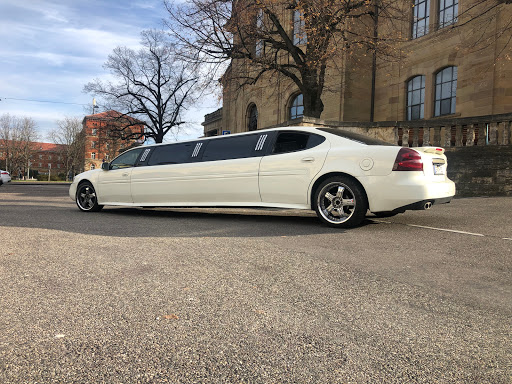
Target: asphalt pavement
252, 296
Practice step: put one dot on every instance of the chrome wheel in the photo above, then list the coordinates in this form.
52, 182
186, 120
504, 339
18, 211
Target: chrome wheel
86, 198
340, 202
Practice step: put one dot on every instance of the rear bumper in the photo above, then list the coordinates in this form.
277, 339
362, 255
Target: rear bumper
402, 191
422, 205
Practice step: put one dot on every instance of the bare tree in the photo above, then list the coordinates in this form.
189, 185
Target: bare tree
70, 137
296, 38
16, 137
152, 85
300, 39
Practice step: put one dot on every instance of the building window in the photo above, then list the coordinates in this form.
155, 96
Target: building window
299, 28
107, 157
93, 167
297, 107
40, 165
41, 157
446, 90
58, 166
252, 118
93, 144
420, 19
448, 12
94, 132
259, 27
93, 156
416, 98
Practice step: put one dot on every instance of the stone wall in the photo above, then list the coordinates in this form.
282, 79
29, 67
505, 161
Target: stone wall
481, 171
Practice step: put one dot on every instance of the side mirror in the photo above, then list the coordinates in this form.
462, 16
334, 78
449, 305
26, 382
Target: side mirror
105, 166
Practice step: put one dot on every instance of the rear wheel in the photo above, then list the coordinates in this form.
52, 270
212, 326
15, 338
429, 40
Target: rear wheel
340, 202
86, 198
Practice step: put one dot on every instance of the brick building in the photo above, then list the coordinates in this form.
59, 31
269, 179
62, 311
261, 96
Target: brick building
441, 73
42, 157
104, 141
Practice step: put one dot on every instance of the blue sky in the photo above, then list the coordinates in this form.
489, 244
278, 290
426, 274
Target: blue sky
50, 48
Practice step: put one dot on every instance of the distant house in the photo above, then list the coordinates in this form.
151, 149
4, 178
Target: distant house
42, 157
105, 137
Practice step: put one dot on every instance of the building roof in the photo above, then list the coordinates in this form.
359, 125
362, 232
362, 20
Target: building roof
112, 115
46, 147
50, 147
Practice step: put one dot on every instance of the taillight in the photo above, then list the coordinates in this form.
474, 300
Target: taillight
408, 160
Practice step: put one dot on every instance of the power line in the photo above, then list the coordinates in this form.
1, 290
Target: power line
41, 101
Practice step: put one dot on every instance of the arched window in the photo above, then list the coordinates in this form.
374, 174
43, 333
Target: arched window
252, 118
299, 28
420, 18
297, 107
448, 12
446, 91
416, 98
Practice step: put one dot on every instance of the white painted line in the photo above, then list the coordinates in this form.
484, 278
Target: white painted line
446, 230
507, 238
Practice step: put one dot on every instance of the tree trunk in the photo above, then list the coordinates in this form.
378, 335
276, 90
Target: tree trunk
313, 105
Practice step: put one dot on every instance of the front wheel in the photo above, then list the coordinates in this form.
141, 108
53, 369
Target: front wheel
340, 202
86, 198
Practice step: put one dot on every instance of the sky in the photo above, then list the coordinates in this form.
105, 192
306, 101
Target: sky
49, 49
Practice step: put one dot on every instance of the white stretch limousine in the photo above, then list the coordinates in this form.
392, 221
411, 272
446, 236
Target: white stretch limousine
340, 175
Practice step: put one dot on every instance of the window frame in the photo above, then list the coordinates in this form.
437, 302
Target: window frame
292, 106
442, 9
299, 35
312, 137
416, 31
252, 107
410, 89
207, 144
438, 90
140, 149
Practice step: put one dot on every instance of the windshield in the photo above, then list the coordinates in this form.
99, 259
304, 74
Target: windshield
355, 137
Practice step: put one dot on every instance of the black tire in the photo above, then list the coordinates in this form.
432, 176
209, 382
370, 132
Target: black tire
340, 202
86, 198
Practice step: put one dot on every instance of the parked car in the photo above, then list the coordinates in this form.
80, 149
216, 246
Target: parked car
339, 174
5, 176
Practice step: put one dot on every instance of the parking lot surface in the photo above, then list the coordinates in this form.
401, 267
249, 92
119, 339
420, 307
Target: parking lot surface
252, 296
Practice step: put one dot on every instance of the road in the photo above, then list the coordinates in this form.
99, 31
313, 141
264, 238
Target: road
244, 296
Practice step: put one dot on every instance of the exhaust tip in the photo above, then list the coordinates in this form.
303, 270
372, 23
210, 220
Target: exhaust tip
427, 205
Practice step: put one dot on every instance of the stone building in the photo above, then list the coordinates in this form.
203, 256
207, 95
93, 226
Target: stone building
446, 69
103, 139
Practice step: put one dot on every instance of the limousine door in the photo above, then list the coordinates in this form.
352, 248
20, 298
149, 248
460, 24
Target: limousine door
227, 173
293, 162
221, 171
114, 184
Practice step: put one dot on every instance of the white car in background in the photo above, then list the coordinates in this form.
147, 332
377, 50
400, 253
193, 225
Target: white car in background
6, 177
338, 174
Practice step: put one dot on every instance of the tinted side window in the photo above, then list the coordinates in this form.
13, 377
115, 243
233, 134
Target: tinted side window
230, 148
171, 154
126, 160
290, 142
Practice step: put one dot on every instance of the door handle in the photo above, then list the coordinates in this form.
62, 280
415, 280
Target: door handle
308, 159
125, 174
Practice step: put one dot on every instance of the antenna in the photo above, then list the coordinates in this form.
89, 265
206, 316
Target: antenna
94, 106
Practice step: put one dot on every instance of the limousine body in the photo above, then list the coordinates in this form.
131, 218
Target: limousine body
338, 174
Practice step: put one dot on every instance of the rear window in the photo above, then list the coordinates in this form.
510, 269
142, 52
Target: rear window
356, 137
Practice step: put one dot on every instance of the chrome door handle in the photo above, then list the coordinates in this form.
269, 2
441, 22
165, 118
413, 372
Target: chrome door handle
308, 159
